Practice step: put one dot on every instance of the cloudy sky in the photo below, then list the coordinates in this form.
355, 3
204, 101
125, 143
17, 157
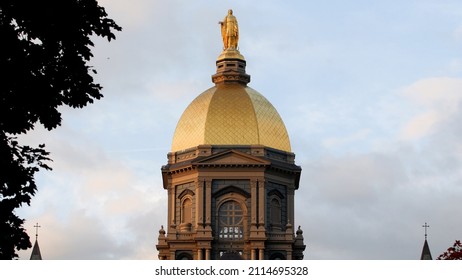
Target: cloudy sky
370, 92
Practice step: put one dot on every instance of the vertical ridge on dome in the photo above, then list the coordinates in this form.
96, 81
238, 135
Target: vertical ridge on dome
271, 129
231, 118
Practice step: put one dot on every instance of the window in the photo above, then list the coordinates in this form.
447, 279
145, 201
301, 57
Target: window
277, 256
275, 212
186, 215
231, 221
183, 256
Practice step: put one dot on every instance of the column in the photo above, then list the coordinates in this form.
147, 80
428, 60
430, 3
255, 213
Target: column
261, 254
207, 254
253, 203
199, 254
171, 208
173, 204
261, 202
208, 203
199, 204
290, 205
253, 254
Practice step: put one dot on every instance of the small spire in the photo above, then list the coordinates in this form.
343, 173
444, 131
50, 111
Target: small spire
36, 255
426, 254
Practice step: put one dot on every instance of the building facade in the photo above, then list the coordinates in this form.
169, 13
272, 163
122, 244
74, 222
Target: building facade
231, 176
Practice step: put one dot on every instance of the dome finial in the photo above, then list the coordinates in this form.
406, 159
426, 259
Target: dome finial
230, 35
229, 31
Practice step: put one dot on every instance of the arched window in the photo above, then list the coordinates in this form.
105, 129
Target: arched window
277, 256
184, 256
231, 221
275, 212
186, 211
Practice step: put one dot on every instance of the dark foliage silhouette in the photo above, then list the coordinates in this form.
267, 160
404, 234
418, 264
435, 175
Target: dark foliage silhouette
46, 47
452, 253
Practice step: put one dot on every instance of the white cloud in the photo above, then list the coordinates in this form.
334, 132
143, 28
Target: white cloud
438, 99
420, 125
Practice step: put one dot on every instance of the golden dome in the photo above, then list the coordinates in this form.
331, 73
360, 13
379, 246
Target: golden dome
230, 114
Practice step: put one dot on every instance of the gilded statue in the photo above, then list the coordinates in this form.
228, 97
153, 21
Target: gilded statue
229, 31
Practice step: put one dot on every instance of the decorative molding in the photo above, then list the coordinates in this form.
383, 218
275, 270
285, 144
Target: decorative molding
185, 193
231, 189
275, 192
